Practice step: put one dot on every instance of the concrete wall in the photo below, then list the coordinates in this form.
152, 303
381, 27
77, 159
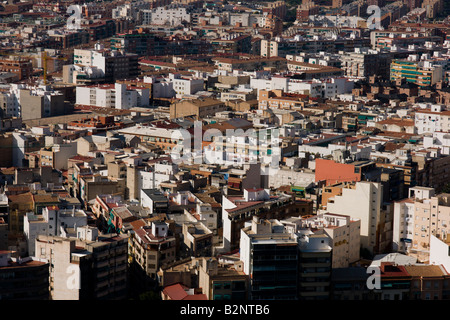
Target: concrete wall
32, 106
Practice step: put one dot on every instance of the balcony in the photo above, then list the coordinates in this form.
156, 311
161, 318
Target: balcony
101, 264
121, 267
102, 274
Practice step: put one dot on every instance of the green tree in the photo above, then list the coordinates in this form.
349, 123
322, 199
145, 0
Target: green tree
149, 295
446, 188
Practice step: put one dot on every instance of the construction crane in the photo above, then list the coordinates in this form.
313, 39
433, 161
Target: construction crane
45, 58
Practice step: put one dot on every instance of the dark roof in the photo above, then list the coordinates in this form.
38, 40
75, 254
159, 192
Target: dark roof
409, 85
155, 195
349, 274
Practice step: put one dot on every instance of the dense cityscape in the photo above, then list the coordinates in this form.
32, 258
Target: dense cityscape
225, 150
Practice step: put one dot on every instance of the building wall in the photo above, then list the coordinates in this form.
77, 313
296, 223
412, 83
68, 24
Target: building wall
290, 177
439, 252
32, 107
6, 158
59, 253
362, 202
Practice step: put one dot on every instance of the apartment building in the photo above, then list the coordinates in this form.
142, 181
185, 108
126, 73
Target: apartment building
22, 67
113, 65
433, 7
428, 282
154, 200
438, 139
277, 99
222, 280
32, 102
314, 269
363, 201
134, 41
423, 73
236, 211
391, 273
270, 259
103, 204
52, 222
296, 44
116, 96
291, 177
55, 155
344, 234
197, 239
152, 246
23, 278
312, 71
198, 108
164, 139
172, 15
254, 146
251, 64
185, 85
306, 9
418, 217
90, 266
350, 284
315, 88
430, 118
285, 263
365, 62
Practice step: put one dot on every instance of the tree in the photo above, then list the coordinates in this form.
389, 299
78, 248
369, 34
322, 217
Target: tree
446, 188
149, 295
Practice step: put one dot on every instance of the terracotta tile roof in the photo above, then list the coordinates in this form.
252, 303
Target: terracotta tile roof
425, 271
399, 122
21, 198
178, 292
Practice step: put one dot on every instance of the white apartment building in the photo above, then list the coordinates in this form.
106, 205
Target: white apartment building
161, 172
329, 88
108, 64
117, 96
245, 147
262, 232
124, 11
88, 265
320, 58
439, 140
52, 222
260, 195
431, 118
343, 232
247, 19
290, 177
361, 201
129, 10
75, 73
418, 218
161, 87
24, 101
185, 86
439, 252
172, 15
207, 216
269, 48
